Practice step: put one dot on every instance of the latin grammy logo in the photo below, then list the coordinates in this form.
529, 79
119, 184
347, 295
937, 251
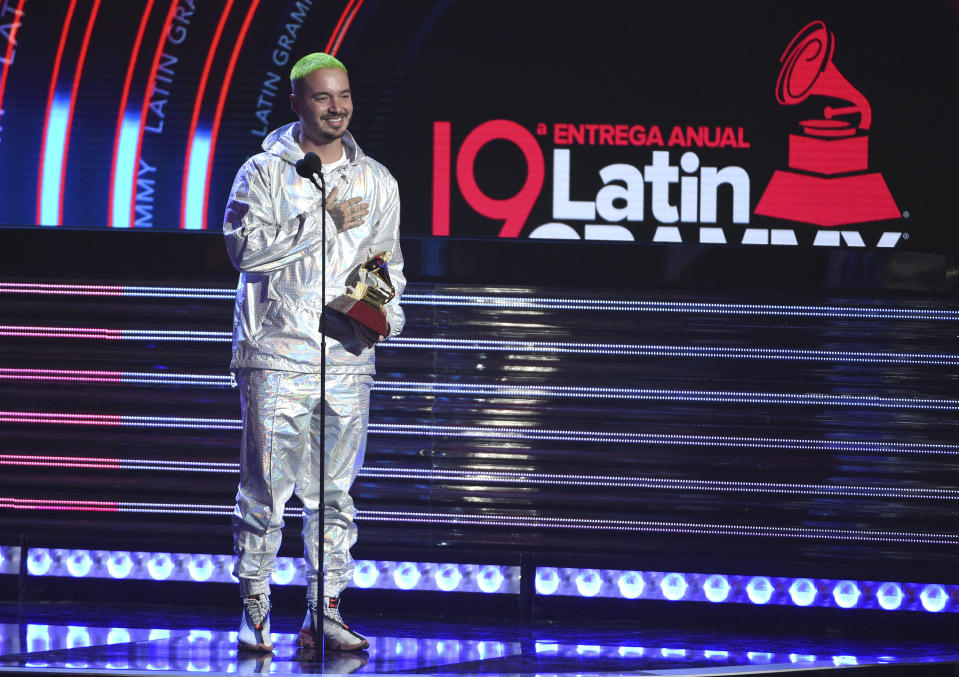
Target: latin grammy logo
827, 182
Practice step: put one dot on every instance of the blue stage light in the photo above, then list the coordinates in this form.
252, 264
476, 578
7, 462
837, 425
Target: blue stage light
39, 561
447, 577
934, 597
762, 657
801, 658
160, 566
631, 651
716, 588
490, 579
365, 573
77, 636
284, 572
79, 563
38, 637
889, 596
201, 567
547, 580
589, 582
118, 636
406, 575
673, 587
631, 584
760, 590
802, 592
846, 594
119, 564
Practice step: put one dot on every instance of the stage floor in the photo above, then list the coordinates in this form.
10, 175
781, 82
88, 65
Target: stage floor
76, 639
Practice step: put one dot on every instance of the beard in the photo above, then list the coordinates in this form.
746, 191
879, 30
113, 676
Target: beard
326, 133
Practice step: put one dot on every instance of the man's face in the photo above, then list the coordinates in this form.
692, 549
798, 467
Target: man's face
324, 104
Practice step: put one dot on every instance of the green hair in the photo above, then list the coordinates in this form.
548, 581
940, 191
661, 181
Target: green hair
314, 62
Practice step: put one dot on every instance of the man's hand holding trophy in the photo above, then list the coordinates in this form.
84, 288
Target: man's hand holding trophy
363, 304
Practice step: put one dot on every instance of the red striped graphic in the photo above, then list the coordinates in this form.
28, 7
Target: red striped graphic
197, 104
342, 26
124, 97
77, 74
51, 92
151, 83
220, 104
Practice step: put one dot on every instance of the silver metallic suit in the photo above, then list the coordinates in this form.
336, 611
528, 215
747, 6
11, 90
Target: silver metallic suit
274, 237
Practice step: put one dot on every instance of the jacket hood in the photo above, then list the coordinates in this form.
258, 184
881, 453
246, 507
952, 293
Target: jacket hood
282, 143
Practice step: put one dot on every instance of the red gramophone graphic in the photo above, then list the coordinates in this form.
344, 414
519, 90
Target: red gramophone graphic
831, 185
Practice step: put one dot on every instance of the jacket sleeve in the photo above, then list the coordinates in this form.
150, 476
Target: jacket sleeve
387, 238
263, 232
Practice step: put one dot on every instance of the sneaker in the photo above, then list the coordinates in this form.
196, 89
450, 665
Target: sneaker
337, 635
254, 632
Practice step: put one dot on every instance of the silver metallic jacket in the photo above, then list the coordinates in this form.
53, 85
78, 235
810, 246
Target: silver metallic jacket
274, 238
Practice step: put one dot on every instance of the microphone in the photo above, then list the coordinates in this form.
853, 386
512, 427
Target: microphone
309, 167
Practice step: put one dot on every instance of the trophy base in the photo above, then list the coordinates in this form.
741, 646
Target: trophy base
827, 201
363, 313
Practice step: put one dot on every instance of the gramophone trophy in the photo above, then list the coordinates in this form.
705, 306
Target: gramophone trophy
831, 185
364, 302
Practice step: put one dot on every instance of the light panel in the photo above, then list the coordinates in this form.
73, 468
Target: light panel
204, 568
739, 589
9, 559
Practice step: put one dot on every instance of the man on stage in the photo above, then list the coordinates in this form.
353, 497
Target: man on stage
273, 229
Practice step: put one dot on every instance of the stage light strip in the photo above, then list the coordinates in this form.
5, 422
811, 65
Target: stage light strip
116, 377
97, 333
614, 481
745, 442
511, 521
500, 477
504, 390
773, 310
661, 527
491, 432
554, 347
493, 302
711, 396
122, 171
631, 350
739, 589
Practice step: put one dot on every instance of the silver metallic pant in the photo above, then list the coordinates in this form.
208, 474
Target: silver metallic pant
279, 456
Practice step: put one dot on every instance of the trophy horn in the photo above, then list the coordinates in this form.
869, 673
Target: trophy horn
808, 69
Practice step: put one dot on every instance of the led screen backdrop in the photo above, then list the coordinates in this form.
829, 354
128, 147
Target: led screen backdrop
810, 124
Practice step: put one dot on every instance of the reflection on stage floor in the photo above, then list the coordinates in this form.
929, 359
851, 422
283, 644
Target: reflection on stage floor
77, 640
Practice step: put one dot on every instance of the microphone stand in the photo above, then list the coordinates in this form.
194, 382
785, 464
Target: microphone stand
308, 170
321, 523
